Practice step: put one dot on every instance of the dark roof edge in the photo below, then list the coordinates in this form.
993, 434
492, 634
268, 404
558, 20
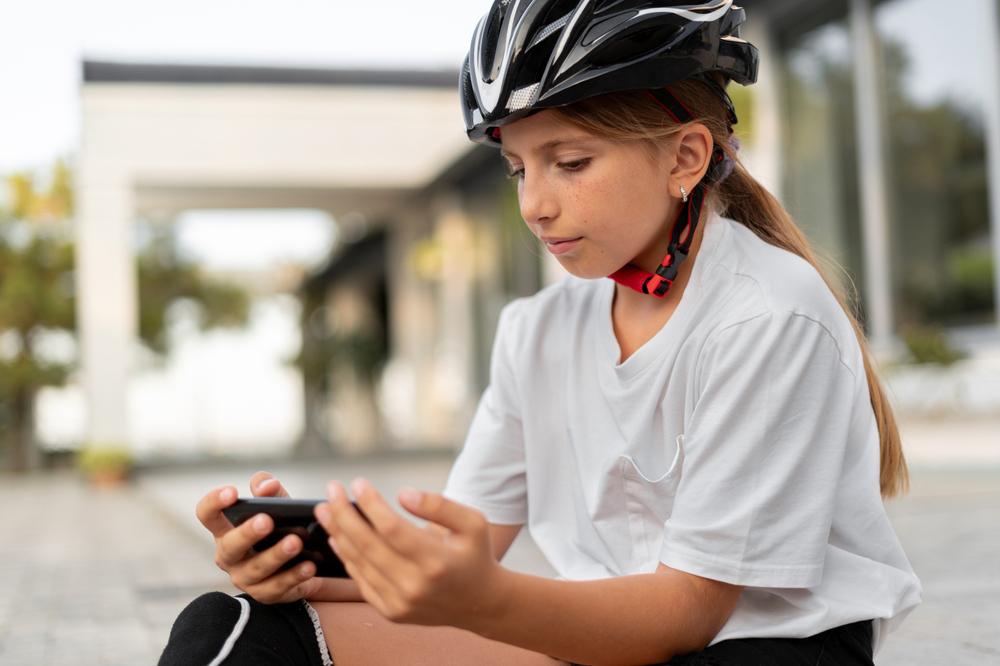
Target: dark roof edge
123, 72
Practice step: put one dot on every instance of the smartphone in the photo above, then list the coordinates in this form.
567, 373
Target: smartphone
292, 516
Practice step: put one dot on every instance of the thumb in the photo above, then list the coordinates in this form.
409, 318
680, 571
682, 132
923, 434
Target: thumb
264, 484
437, 508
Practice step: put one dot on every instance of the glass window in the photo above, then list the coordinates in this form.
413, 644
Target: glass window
933, 76
820, 183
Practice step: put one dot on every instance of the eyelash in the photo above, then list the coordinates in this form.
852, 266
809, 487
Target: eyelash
578, 165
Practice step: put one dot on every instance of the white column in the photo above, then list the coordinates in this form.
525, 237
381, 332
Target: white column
106, 289
763, 156
992, 112
456, 377
872, 179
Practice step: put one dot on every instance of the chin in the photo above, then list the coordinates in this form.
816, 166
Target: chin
583, 271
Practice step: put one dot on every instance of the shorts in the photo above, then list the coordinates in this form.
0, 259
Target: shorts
847, 645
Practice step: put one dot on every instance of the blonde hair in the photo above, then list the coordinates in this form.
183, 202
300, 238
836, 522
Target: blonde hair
633, 116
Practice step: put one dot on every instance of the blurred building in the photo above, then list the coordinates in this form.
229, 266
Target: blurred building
887, 147
430, 244
415, 303
876, 123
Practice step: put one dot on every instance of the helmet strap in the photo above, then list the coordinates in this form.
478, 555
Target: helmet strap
658, 283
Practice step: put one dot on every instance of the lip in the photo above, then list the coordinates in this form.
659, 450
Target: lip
560, 245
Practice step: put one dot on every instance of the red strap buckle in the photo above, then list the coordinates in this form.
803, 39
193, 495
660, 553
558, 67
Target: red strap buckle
657, 285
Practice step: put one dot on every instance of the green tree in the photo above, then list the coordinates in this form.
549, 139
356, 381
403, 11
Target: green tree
166, 278
37, 299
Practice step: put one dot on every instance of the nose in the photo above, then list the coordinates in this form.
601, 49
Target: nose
536, 198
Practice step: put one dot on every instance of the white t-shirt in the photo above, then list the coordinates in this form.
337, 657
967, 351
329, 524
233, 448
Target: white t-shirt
738, 444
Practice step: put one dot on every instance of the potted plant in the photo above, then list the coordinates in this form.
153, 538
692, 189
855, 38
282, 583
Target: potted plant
105, 465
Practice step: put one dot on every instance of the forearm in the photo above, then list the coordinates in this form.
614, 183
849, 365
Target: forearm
636, 619
337, 589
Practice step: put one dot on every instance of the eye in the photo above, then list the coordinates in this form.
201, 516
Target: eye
514, 173
575, 165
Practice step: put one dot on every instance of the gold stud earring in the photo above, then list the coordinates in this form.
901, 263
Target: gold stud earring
684, 194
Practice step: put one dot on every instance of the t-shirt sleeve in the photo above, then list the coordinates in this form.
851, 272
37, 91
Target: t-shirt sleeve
489, 472
763, 451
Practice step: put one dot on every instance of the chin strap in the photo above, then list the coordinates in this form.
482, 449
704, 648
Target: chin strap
658, 284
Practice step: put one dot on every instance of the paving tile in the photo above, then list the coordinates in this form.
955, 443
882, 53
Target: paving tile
97, 578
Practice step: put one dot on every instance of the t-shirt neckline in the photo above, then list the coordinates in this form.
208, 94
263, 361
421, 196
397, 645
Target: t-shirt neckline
642, 358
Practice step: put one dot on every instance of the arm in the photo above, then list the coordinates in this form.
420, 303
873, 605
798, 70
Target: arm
501, 536
642, 618
345, 589
413, 576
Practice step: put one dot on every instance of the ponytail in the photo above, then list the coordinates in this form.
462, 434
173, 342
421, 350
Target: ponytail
749, 203
628, 116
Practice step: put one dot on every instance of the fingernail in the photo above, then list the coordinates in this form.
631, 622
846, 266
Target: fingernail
358, 485
264, 483
323, 513
410, 496
333, 490
260, 524
305, 570
226, 495
333, 545
289, 545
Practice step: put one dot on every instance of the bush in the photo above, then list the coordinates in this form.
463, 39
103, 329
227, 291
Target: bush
928, 344
104, 461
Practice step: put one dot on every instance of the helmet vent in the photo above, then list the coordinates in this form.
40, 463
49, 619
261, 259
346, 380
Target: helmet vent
640, 43
550, 28
522, 97
491, 38
467, 94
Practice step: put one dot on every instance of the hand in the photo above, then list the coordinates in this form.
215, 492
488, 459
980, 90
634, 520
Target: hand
445, 575
256, 573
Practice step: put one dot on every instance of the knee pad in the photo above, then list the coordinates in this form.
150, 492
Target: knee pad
217, 629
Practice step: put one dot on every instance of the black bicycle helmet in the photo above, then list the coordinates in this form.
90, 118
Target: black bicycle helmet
529, 55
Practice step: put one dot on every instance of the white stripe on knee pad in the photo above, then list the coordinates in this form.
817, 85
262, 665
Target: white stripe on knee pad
227, 647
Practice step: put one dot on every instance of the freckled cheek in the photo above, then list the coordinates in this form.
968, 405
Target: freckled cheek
594, 204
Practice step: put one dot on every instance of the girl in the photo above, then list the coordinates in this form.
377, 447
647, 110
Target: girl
699, 445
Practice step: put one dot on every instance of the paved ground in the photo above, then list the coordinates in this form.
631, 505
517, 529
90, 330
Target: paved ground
95, 578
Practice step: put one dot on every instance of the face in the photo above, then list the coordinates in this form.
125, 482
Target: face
595, 204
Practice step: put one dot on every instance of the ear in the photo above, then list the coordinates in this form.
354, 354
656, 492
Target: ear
693, 151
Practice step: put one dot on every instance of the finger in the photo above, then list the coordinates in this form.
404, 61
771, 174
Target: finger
369, 593
308, 588
372, 583
402, 536
371, 546
209, 510
359, 571
368, 547
287, 585
265, 484
232, 546
437, 508
259, 567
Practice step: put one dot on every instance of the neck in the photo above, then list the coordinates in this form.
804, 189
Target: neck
632, 301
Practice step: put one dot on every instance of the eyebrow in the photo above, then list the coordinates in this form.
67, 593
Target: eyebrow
549, 145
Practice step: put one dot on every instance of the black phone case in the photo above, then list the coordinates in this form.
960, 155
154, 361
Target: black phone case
292, 516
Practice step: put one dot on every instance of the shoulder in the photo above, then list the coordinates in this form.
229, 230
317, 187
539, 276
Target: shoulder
554, 308
762, 286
